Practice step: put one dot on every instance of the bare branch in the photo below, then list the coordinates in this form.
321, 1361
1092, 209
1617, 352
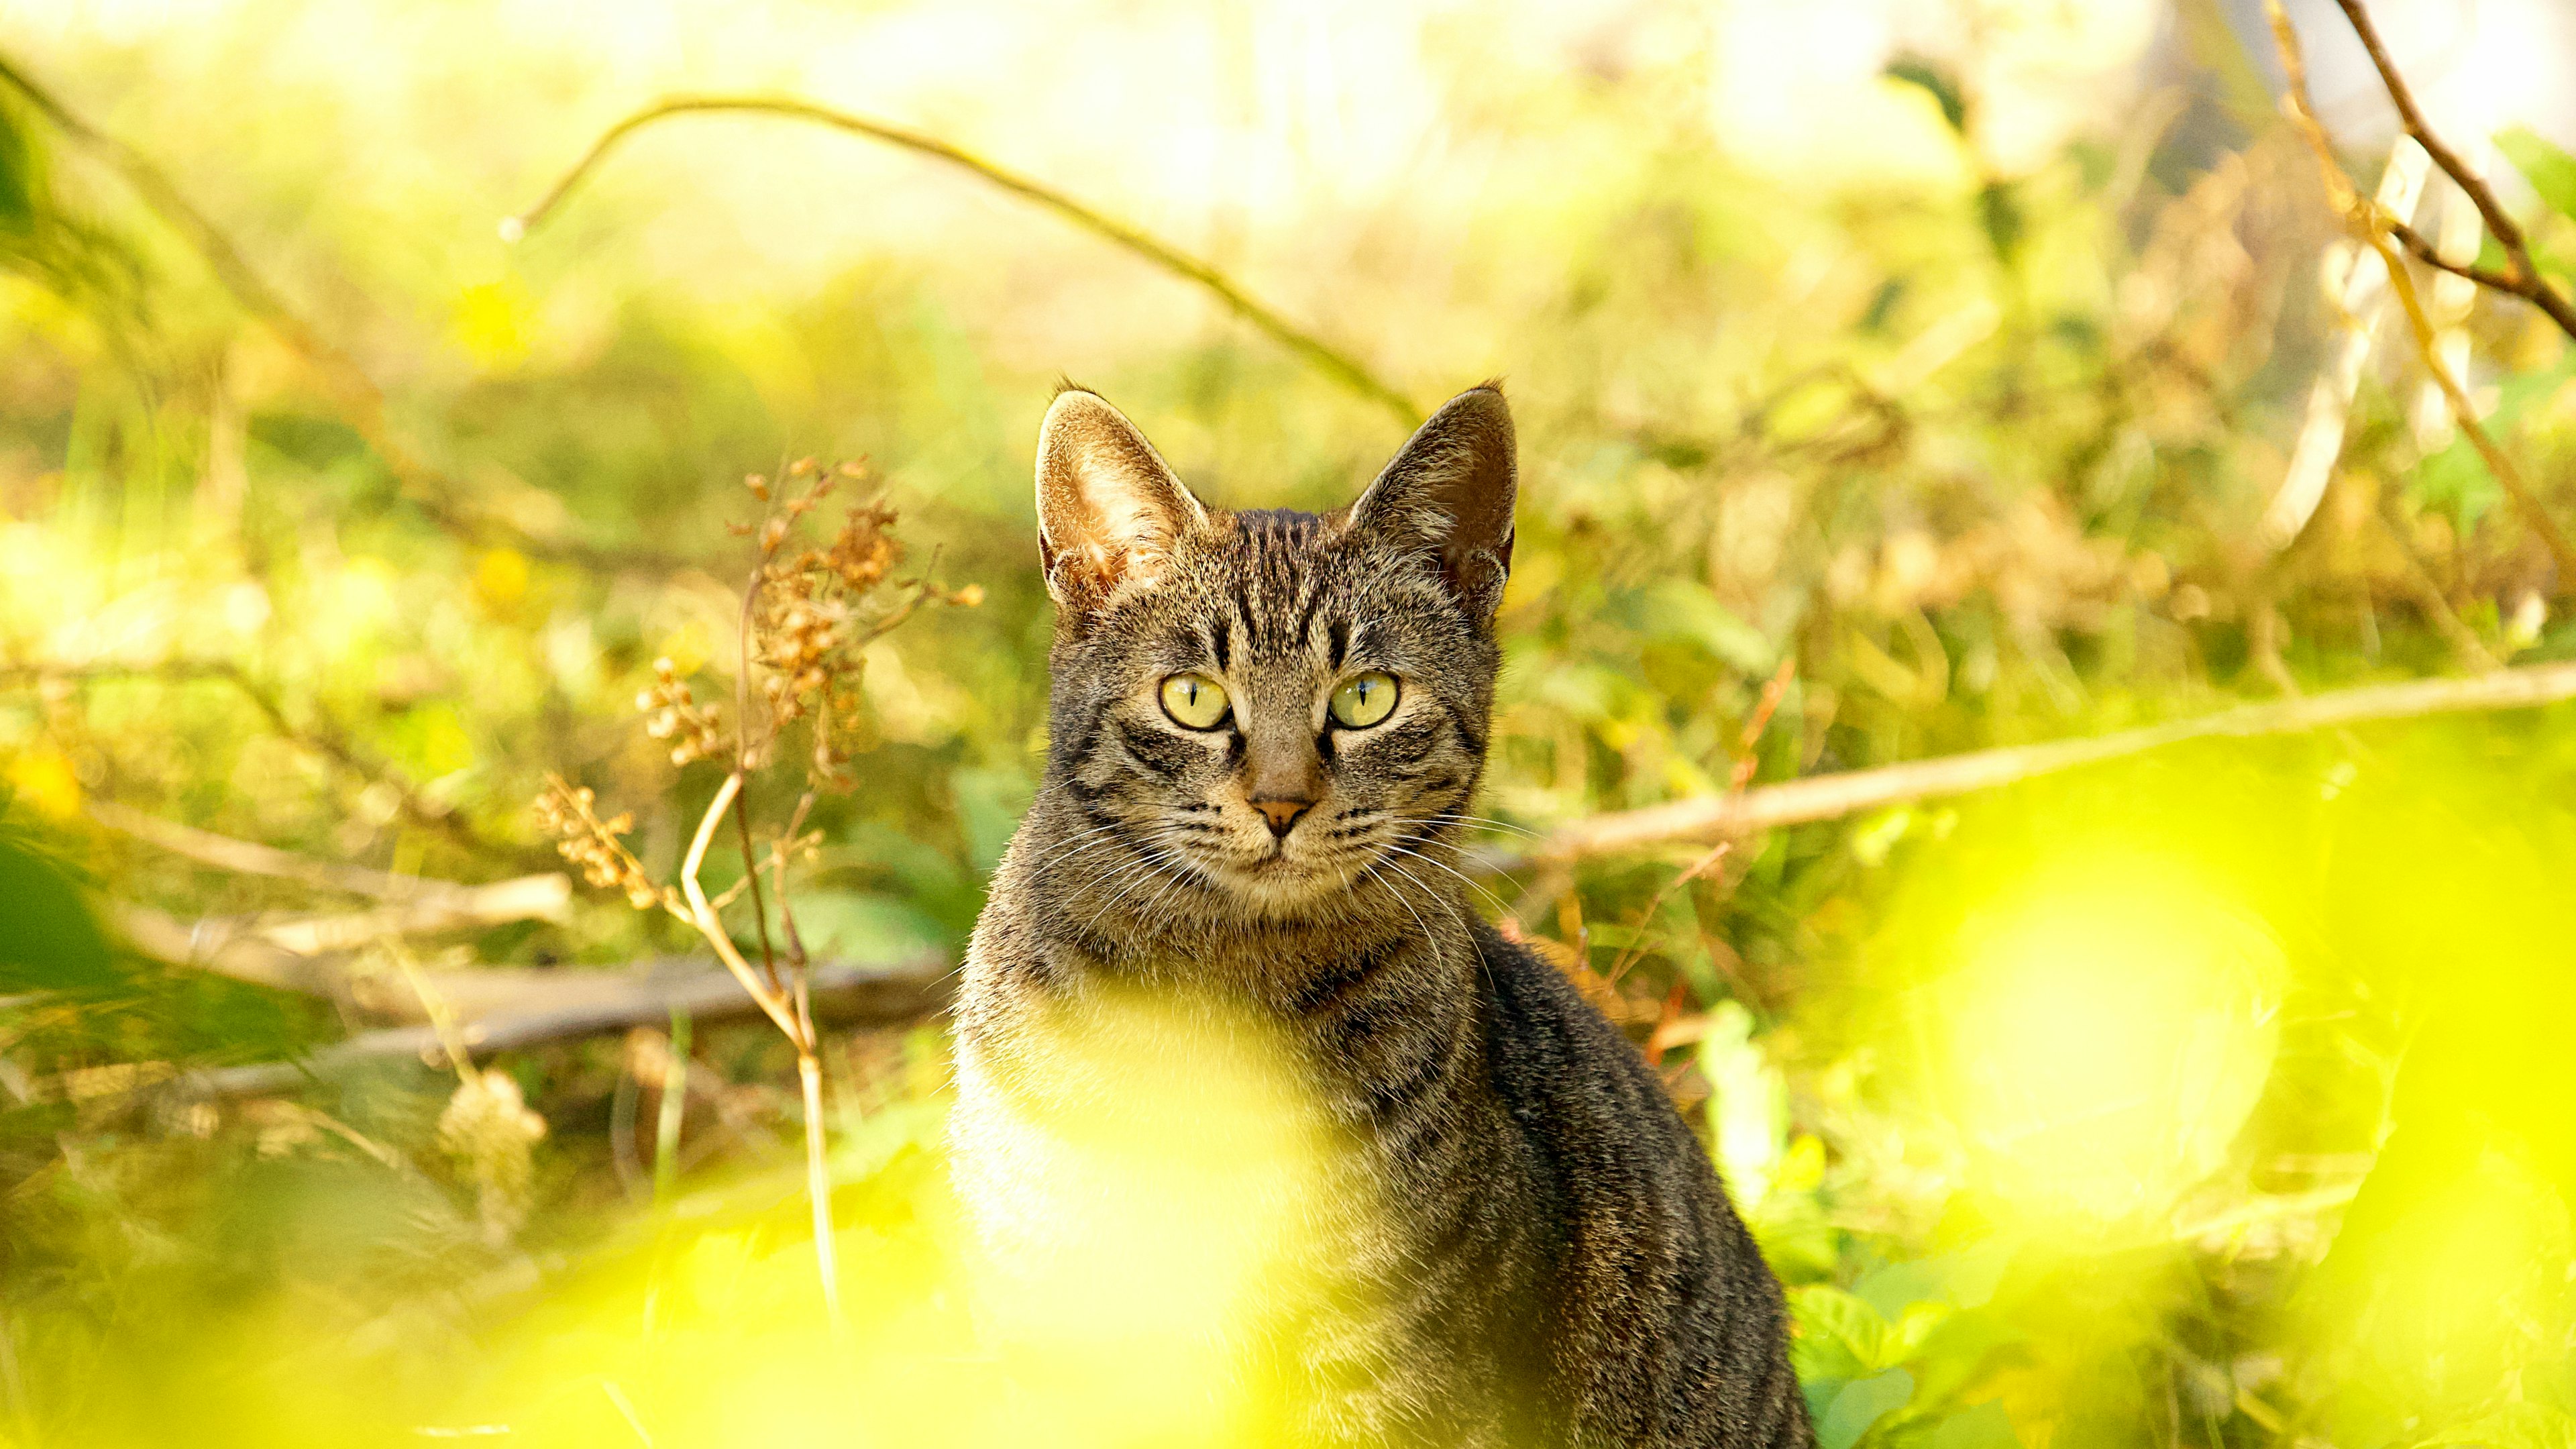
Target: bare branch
2369, 225
1828, 797
1331, 360
2525, 281
309, 954
455, 908
226, 948
2422, 249
843, 993
246, 857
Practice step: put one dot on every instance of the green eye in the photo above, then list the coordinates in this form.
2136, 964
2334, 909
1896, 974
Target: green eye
1363, 700
1194, 701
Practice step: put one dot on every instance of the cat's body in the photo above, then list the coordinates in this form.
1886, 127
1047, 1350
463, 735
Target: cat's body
1492, 1227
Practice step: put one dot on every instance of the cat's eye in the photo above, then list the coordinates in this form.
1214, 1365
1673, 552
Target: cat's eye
1194, 701
1363, 700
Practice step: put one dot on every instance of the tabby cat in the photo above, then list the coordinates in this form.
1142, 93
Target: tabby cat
1493, 1227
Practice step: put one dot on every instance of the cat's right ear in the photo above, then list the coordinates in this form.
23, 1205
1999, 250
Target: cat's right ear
1110, 509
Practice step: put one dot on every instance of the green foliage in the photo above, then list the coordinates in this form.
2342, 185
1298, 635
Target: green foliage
2550, 170
47, 940
1974, 436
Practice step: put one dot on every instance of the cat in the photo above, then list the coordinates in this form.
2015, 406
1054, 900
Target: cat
1228, 936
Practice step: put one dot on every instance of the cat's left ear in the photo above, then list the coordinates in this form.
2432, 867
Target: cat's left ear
1110, 510
1449, 492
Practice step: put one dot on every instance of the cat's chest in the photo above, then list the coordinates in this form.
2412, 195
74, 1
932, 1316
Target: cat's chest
1173, 1159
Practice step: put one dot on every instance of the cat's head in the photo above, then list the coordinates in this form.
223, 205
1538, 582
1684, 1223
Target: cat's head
1271, 713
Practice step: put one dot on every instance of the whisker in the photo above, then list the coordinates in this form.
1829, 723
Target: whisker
1485, 821
1462, 879
1154, 860
1463, 928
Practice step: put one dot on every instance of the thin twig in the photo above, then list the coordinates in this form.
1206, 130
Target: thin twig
1331, 360
2421, 247
1829, 797
794, 1019
2369, 224
747, 753
2525, 280
1741, 775
883, 995
772, 1004
414, 904
2419, 582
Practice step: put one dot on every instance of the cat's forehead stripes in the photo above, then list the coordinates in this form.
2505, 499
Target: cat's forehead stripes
1276, 596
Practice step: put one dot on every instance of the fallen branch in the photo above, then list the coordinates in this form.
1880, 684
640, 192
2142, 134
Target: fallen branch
533, 897
311, 955
454, 908
1340, 365
1828, 797
845, 994
226, 948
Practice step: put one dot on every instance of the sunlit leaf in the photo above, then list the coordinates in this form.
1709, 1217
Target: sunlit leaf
47, 940
1860, 1405
2549, 169
1984, 1427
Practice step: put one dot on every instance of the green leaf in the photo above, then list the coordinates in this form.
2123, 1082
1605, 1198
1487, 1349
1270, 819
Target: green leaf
1952, 1357
2455, 481
1999, 214
859, 926
1941, 83
2550, 170
1861, 1404
1964, 1279
989, 806
1984, 1427
1679, 609
17, 178
1828, 1316
47, 940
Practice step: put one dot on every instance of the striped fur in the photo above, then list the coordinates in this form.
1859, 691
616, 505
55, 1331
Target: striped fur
1513, 1238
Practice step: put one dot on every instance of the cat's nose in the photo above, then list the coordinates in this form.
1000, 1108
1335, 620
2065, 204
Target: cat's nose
1282, 814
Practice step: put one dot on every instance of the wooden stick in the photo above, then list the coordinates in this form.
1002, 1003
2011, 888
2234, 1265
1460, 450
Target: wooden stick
457, 908
1828, 797
845, 993
1331, 360
247, 857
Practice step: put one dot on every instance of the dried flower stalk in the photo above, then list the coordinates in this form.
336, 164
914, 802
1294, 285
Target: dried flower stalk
807, 614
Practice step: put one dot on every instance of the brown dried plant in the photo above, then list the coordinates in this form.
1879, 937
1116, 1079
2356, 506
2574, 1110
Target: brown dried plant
808, 613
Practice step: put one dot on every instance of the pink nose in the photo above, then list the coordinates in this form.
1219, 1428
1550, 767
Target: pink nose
1282, 814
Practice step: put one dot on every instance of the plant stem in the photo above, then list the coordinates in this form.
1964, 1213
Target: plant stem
818, 1179
675, 1101
1326, 358
794, 1020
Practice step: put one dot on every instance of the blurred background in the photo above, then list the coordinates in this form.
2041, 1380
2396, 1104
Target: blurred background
1965, 374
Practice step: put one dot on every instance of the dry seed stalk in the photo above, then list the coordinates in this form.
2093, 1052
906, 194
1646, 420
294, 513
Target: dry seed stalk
807, 615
